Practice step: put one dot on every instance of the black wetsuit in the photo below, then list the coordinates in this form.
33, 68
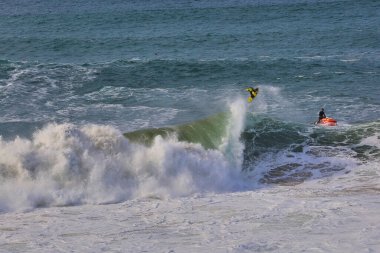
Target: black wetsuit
321, 115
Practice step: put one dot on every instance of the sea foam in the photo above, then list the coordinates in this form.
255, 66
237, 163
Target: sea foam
67, 164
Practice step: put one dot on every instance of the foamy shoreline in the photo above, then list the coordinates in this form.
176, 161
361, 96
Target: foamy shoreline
281, 219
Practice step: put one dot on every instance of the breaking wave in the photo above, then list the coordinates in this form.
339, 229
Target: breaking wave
66, 164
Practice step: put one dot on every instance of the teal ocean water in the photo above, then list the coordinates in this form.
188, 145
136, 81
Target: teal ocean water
77, 75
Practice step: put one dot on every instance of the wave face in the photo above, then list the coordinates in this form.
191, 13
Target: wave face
207, 132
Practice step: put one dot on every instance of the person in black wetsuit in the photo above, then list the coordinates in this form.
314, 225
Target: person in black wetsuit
321, 115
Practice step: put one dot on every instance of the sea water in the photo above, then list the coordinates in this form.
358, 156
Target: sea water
125, 126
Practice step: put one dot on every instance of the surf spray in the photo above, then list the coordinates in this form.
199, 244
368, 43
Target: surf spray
231, 146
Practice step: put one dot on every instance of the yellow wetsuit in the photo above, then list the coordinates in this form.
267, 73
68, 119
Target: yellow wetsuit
253, 93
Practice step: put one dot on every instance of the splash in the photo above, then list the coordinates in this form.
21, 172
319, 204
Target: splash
231, 145
66, 164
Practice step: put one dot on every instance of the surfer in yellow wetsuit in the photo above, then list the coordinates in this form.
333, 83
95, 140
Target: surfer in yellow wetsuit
253, 93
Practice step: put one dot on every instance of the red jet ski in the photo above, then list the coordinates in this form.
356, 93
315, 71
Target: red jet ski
327, 122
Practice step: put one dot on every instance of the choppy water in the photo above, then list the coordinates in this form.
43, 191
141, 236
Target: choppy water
75, 76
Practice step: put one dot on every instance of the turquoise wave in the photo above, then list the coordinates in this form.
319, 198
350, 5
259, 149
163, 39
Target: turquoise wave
208, 132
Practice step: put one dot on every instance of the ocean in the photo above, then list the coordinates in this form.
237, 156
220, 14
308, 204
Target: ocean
125, 126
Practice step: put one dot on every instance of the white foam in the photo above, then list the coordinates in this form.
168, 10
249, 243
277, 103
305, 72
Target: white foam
231, 145
282, 219
65, 164
371, 141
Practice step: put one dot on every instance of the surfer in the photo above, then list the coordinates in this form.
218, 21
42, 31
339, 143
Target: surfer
253, 93
322, 115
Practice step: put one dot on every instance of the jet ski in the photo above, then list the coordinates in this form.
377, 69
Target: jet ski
327, 122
